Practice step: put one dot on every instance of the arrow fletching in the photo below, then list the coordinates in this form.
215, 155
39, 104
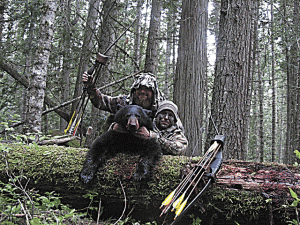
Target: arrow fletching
179, 209
212, 147
70, 123
178, 202
168, 199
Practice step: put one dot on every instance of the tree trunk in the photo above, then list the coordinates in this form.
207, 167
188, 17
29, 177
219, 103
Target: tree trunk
254, 122
286, 155
39, 71
168, 57
87, 46
293, 95
273, 138
23, 81
260, 152
65, 84
106, 36
137, 37
231, 89
151, 60
190, 76
28, 61
3, 5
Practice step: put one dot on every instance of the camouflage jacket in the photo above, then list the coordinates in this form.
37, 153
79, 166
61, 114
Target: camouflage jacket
109, 104
106, 102
172, 140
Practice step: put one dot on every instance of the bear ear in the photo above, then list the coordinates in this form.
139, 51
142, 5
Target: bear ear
119, 106
148, 112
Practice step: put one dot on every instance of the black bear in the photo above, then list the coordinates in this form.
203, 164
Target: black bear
130, 117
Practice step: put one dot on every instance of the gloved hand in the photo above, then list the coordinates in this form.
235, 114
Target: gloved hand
144, 133
87, 80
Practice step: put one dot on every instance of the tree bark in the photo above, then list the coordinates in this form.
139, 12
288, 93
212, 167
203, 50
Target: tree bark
65, 84
293, 91
23, 81
273, 138
137, 36
151, 60
3, 5
168, 54
231, 89
87, 47
106, 36
190, 76
38, 77
261, 148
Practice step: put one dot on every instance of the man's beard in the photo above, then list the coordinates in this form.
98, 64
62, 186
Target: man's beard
144, 103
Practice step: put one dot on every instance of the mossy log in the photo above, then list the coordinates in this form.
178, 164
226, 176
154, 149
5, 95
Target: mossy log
245, 192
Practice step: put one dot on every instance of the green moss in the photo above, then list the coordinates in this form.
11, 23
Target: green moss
56, 168
61, 166
236, 203
44, 163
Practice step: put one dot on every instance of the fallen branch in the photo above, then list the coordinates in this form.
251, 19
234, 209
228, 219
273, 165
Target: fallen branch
13, 126
60, 106
57, 140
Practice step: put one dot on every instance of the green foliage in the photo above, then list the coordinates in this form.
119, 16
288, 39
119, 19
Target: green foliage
294, 205
298, 156
295, 197
196, 221
33, 207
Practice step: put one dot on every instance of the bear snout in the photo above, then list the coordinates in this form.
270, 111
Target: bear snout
132, 124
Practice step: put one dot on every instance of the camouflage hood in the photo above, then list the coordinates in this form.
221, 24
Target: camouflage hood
148, 80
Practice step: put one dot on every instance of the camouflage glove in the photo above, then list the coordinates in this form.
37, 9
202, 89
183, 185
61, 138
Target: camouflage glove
144, 133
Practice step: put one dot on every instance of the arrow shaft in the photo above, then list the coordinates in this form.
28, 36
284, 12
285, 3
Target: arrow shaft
191, 203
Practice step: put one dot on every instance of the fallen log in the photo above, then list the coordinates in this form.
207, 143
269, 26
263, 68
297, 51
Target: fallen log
245, 192
263, 177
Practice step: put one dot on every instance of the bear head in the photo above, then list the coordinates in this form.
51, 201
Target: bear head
132, 117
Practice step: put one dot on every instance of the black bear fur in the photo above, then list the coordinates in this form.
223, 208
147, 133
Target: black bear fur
130, 117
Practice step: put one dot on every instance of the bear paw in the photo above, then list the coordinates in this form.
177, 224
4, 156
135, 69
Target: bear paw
87, 174
142, 172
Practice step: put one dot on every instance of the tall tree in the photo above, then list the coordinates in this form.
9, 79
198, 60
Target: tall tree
2, 8
152, 45
254, 122
66, 53
273, 136
190, 73
286, 155
87, 45
231, 89
261, 145
137, 37
40, 63
293, 90
168, 54
106, 36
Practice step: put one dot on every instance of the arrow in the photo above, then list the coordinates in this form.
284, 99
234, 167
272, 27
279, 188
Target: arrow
175, 198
